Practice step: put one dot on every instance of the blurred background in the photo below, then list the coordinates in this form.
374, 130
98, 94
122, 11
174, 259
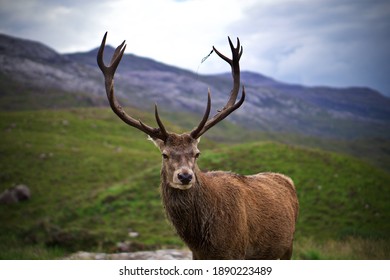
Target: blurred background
73, 177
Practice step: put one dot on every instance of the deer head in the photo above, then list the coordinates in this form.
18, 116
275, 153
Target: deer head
179, 151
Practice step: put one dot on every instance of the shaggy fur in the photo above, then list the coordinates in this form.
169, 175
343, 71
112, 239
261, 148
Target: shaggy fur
219, 215
229, 216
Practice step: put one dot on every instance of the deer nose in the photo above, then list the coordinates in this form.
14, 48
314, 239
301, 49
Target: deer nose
185, 178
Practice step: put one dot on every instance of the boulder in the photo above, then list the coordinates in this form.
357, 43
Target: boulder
15, 194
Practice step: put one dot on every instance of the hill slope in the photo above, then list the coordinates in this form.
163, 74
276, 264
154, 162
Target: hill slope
93, 181
34, 76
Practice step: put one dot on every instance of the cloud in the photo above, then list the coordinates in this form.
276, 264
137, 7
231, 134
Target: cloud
318, 42
64, 25
338, 43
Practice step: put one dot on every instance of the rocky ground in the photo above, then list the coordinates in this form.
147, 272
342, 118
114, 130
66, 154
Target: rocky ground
169, 254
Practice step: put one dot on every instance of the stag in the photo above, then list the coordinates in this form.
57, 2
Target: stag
219, 215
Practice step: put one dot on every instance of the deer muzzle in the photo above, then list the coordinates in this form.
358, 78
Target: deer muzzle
183, 179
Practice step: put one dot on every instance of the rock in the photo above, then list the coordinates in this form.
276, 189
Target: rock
168, 254
8, 197
15, 194
133, 234
123, 246
22, 192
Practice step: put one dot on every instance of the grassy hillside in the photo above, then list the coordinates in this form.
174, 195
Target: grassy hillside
94, 180
16, 96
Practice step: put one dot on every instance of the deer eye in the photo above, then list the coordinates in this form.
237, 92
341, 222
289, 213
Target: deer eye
197, 155
165, 156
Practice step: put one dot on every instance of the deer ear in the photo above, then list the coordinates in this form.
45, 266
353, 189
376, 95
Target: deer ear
198, 140
157, 142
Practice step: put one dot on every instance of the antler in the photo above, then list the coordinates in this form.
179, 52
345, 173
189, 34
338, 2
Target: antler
109, 72
231, 105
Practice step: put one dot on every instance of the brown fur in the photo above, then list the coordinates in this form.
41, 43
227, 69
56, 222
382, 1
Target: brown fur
228, 216
219, 215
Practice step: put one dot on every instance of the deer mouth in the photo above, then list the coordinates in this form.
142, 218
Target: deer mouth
181, 186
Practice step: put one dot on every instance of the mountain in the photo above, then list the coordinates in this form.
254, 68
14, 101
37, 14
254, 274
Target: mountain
33, 76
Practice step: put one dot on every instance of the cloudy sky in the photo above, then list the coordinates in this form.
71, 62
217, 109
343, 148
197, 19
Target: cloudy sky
314, 42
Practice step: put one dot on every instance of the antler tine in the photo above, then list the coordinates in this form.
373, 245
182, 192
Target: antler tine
231, 104
195, 133
109, 72
159, 122
118, 53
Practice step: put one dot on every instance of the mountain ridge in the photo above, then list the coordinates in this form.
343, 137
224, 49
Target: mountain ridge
35, 70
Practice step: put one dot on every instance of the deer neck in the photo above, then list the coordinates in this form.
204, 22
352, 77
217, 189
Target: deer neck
187, 209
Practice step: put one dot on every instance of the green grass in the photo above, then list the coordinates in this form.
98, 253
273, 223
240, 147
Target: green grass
66, 158
94, 180
351, 248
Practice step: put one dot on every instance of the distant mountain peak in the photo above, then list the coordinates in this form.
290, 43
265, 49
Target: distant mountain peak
11, 46
31, 69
